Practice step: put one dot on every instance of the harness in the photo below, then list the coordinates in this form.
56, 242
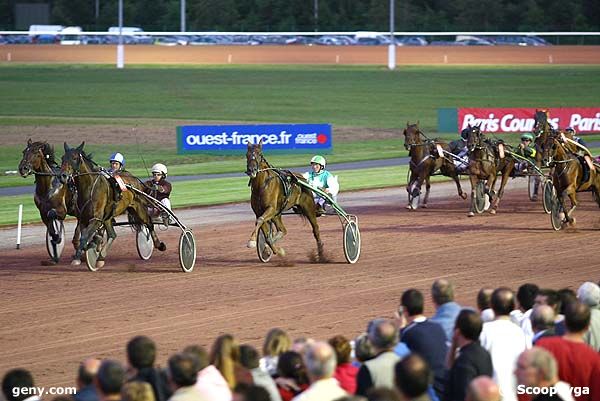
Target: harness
286, 178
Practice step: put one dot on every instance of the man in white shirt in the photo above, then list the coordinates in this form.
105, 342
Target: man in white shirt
320, 364
505, 341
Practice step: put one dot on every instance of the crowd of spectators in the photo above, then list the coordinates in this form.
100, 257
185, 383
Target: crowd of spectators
535, 344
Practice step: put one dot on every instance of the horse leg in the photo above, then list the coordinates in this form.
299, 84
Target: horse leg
111, 234
570, 192
409, 188
75, 242
505, 176
266, 217
281, 230
453, 173
141, 215
312, 219
427, 188
474, 180
88, 234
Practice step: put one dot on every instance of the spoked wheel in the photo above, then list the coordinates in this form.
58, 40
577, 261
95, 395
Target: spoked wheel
532, 183
557, 215
263, 249
187, 251
55, 249
94, 251
481, 198
351, 241
547, 196
144, 242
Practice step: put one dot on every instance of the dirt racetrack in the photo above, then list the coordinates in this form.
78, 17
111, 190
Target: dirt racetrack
53, 317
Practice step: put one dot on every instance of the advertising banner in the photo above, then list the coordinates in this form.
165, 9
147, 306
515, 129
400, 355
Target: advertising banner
305, 138
498, 120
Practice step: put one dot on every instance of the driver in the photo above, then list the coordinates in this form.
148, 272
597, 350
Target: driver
320, 178
461, 162
526, 150
117, 166
159, 188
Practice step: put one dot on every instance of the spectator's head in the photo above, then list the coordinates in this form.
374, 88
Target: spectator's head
577, 317
442, 291
536, 367
300, 344
468, 325
249, 357
483, 388
526, 296
383, 334
412, 302
542, 318
484, 298
291, 366
547, 296
225, 354
137, 391
15, 380
382, 394
110, 378
248, 392
183, 370
503, 301
141, 352
566, 296
320, 361
589, 294
412, 376
342, 349
363, 349
87, 371
200, 353
276, 342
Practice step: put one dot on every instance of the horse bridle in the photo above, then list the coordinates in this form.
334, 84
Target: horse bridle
44, 156
419, 134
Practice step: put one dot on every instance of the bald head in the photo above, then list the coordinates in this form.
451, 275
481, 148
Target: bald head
503, 301
442, 291
383, 334
87, 371
536, 367
483, 388
412, 376
542, 318
320, 361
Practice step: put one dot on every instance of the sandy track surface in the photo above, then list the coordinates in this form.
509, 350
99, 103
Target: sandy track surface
53, 317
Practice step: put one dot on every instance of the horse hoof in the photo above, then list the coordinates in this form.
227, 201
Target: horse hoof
49, 262
99, 264
470, 214
424, 206
492, 211
281, 252
463, 195
251, 244
162, 247
75, 262
409, 207
534, 198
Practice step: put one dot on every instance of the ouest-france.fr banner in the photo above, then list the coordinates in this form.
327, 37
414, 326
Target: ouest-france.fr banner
280, 138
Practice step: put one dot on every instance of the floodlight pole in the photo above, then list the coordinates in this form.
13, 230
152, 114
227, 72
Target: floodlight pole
392, 46
120, 48
316, 14
182, 15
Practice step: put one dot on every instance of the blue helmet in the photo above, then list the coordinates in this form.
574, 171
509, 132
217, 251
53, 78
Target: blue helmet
117, 157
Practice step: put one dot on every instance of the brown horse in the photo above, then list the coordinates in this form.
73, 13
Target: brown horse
568, 175
53, 199
273, 192
96, 202
424, 161
484, 164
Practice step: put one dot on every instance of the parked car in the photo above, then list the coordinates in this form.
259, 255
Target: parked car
412, 41
476, 42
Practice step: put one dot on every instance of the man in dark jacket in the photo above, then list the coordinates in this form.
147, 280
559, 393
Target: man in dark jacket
472, 360
141, 353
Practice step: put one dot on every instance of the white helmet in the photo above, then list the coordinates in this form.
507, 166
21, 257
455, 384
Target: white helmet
117, 157
159, 168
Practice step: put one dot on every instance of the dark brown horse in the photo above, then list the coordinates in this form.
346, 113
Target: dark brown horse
96, 201
484, 164
273, 192
424, 161
568, 176
53, 199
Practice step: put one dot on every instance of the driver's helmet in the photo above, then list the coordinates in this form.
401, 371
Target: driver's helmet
318, 160
464, 134
527, 136
570, 130
117, 157
159, 168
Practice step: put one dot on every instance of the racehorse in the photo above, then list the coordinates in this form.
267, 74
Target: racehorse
274, 191
53, 199
424, 161
96, 201
484, 164
568, 175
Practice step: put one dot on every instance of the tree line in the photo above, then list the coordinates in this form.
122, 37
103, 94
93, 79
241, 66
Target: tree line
325, 15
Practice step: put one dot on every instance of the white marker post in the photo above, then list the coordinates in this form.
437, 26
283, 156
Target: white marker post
20, 220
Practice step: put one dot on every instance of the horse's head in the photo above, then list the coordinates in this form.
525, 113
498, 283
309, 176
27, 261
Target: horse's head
254, 158
541, 124
72, 161
474, 137
412, 135
34, 155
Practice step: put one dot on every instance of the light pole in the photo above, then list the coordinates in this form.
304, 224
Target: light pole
392, 46
316, 14
182, 15
120, 48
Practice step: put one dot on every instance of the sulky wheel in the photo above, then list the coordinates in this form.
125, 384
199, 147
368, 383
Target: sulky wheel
557, 215
93, 252
144, 242
351, 242
532, 183
263, 249
548, 193
187, 251
55, 249
481, 198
